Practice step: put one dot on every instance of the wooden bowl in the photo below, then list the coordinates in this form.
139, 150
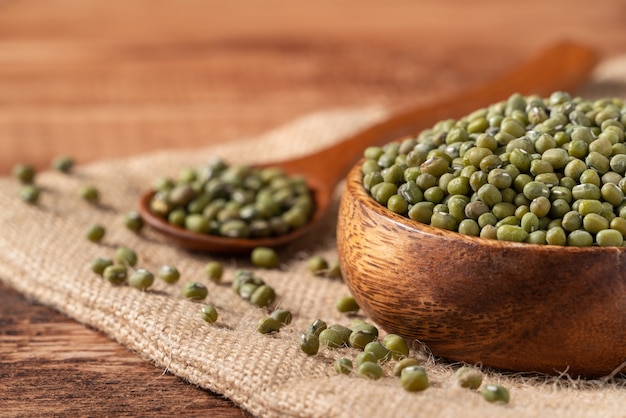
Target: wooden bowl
512, 306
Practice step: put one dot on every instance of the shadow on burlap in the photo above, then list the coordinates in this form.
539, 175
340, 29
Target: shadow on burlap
44, 255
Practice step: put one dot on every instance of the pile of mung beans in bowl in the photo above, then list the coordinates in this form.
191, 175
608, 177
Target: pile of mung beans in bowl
498, 237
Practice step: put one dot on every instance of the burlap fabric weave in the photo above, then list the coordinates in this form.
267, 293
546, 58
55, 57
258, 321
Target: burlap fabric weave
44, 255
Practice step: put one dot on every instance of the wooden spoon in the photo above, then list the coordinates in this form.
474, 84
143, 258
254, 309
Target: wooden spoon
564, 67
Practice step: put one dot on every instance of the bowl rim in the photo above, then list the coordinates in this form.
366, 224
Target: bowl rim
354, 186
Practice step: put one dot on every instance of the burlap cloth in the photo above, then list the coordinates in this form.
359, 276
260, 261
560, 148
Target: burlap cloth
44, 255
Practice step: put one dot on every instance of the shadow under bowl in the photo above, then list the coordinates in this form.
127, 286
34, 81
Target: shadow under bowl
512, 306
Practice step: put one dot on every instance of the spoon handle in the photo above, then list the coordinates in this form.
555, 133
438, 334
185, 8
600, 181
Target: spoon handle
560, 67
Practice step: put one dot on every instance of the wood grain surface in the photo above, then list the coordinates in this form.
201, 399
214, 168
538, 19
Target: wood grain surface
104, 79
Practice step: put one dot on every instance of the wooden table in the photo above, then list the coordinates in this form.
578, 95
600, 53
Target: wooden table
103, 79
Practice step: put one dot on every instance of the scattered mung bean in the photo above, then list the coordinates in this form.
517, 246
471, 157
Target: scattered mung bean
405, 362
469, 377
214, 271
343, 331
360, 338
414, 379
318, 265
379, 351
25, 173
195, 291
343, 365
29, 193
95, 233
331, 338
264, 257
99, 264
133, 221
90, 193
268, 325
316, 327
370, 370
309, 344
208, 313
263, 296
364, 356
63, 163
347, 304
115, 274
495, 393
361, 325
169, 274
334, 270
283, 316
397, 345
141, 279
125, 256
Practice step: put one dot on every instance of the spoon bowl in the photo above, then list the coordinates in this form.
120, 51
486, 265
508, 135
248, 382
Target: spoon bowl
225, 245
514, 306
562, 66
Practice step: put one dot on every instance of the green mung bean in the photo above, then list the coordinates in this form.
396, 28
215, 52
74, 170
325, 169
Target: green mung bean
195, 291
133, 221
264, 257
263, 296
331, 338
63, 163
414, 379
25, 173
95, 233
30, 193
361, 325
316, 327
99, 264
343, 332
141, 279
126, 256
334, 270
309, 343
268, 325
495, 394
363, 357
370, 370
347, 304
397, 345
214, 271
360, 338
317, 265
580, 238
379, 351
115, 274
209, 313
469, 377
405, 362
283, 316
169, 274
343, 365
90, 193
609, 238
